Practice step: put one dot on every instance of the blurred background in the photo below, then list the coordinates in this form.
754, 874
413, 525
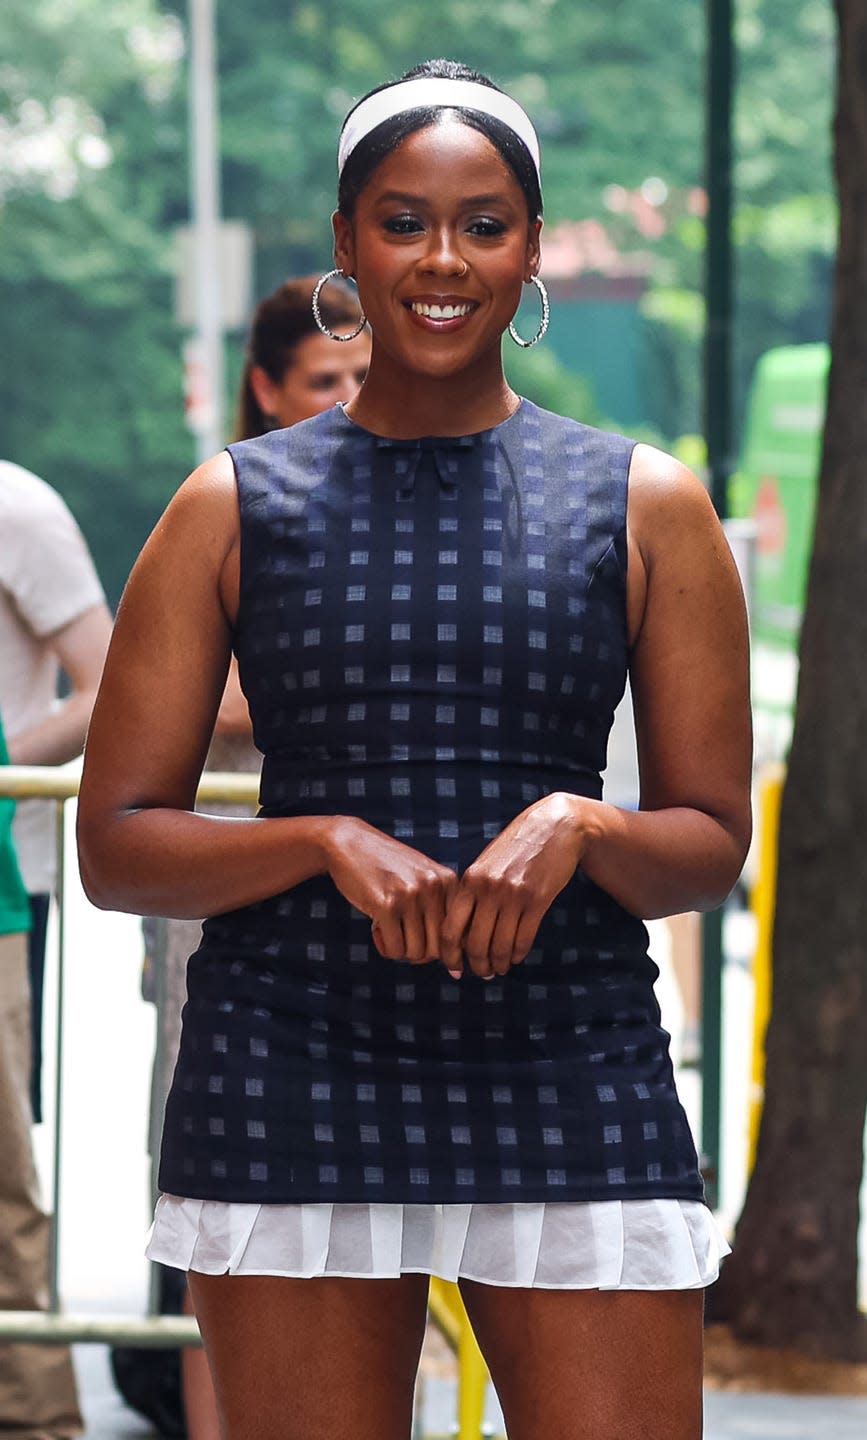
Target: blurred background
95, 192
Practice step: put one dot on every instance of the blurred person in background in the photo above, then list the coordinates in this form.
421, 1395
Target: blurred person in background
37, 1385
53, 618
291, 372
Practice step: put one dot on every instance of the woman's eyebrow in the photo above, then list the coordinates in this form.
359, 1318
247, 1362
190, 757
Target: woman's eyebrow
405, 197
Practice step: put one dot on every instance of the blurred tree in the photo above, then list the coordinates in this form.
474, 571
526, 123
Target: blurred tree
91, 137
793, 1278
93, 176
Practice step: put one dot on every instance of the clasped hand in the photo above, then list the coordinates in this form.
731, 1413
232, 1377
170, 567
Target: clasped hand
487, 917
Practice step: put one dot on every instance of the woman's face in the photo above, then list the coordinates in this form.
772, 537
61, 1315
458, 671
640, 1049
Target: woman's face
320, 373
440, 246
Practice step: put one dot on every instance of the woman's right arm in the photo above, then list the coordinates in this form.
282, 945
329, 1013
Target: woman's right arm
142, 847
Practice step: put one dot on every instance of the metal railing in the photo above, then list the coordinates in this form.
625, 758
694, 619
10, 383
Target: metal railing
51, 1326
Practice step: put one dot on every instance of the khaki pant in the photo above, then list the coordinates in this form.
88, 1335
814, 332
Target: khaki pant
38, 1399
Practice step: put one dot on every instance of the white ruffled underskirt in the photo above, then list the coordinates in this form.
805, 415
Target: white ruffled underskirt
587, 1245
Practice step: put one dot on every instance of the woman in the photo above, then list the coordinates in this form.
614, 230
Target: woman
421, 1034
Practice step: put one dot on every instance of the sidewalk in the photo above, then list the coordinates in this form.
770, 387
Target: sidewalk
728, 1416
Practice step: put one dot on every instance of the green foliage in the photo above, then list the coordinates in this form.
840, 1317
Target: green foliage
93, 177
92, 147
674, 328
541, 377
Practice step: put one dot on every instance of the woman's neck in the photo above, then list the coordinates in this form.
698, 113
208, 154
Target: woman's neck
398, 403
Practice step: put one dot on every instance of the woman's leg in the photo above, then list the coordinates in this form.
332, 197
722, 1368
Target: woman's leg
312, 1359
592, 1364
200, 1406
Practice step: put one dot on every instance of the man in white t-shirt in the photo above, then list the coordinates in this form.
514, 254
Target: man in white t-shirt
53, 618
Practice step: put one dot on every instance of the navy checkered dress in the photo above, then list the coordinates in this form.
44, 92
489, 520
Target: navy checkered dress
431, 635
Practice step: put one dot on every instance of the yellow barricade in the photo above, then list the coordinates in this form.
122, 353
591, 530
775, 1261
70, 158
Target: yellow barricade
762, 902
451, 1319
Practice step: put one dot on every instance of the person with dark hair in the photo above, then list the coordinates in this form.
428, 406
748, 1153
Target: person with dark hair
54, 623
421, 1034
291, 370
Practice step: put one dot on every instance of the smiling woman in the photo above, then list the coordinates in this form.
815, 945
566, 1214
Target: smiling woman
421, 1035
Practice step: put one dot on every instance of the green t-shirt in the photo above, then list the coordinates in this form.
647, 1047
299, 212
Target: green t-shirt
14, 905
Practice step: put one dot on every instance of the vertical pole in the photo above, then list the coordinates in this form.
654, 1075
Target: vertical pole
60, 898
717, 428
205, 218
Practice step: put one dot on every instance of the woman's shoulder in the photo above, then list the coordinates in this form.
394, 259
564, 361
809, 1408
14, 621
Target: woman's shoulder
607, 451
671, 518
661, 486
301, 435
572, 429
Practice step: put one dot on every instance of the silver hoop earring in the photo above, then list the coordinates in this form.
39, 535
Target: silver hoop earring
317, 314
543, 323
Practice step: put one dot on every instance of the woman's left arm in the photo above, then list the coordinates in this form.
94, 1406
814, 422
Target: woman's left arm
685, 846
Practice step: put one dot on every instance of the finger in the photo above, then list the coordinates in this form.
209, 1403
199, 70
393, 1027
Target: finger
458, 915
477, 941
504, 938
389, 932
525, 935
437, 901
434, 913
414, 931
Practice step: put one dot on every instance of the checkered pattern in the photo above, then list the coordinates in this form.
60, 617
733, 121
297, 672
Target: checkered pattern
431, 636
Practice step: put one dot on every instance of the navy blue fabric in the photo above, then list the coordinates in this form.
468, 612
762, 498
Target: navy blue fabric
431, 635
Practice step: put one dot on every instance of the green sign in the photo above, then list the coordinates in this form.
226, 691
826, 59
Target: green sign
776, 487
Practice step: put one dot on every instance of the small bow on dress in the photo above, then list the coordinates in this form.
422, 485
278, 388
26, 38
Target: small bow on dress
444, 449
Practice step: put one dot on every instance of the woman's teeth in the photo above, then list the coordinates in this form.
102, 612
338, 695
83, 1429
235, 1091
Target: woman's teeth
440, 312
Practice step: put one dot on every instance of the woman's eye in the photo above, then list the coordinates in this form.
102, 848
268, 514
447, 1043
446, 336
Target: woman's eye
486, 225
403, 224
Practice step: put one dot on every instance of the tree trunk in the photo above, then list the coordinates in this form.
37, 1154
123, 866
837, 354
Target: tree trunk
792, 1280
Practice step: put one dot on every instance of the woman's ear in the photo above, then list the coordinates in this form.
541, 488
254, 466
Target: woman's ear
344, 245
534, 250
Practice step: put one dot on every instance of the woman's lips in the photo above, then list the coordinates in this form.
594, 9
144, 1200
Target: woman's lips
440, 314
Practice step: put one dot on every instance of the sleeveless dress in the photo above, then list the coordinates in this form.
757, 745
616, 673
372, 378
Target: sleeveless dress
432, 636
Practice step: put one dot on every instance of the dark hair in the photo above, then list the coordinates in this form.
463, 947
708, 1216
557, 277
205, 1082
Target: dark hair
384, 138
280, 322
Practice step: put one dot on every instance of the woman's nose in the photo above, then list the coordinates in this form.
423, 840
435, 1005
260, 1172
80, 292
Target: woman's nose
444, 255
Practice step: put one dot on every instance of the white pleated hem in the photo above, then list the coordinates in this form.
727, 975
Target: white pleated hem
580, 1245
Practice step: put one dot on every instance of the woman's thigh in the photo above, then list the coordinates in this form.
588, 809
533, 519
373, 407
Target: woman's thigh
312, 1359
592, 1364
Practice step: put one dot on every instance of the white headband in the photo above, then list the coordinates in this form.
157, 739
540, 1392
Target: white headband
431, 91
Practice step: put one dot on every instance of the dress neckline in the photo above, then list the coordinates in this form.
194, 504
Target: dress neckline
431, 440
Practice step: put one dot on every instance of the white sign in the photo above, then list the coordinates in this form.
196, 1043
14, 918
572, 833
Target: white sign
236, 275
